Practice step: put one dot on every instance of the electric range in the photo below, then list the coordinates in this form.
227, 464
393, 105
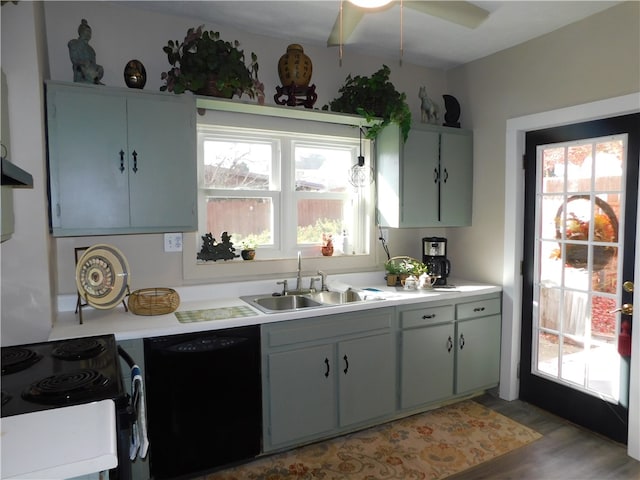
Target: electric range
65, 411
48, 375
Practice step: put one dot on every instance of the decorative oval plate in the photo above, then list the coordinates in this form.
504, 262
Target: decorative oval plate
102, 276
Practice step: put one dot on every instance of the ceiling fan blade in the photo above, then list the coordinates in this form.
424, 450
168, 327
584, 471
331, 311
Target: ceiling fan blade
463, 13
351, 16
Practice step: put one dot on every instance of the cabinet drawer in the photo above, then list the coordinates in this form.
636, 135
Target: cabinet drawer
320, 328
426, 316
479, 308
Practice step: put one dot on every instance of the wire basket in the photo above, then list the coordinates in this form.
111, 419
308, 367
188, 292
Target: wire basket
154, 301
576, 255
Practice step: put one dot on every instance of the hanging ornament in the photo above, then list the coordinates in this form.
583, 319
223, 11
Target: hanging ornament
360, 174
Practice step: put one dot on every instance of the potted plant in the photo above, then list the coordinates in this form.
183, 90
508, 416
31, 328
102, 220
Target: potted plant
399, 268
248, 250
327, 245
373, 97
207, 65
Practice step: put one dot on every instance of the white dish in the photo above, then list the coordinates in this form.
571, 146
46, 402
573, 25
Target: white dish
102, 276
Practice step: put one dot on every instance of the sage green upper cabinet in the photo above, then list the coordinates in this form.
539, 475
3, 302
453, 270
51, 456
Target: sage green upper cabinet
427, 181
120, 160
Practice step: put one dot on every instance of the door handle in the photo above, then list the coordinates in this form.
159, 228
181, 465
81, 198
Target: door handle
121, 161
449, 344
626, 309
461, 341
346, 364
326, 373
135, 161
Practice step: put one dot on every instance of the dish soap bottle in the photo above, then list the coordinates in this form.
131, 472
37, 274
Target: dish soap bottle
346, 248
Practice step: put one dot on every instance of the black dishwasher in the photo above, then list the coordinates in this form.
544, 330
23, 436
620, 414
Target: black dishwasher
204, 407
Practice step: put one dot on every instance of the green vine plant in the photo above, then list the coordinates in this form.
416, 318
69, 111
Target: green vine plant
373, 98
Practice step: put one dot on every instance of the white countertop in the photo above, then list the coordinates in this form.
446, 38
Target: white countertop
60, 443
126, 325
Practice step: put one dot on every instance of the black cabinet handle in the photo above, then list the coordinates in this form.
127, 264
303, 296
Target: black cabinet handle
461, 341
432, 315
449, 344
446, 175
121, 161
326, 361
135, 161
478, 309
436, 175
346, 363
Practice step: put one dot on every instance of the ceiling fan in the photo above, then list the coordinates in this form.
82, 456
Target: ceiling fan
463, 13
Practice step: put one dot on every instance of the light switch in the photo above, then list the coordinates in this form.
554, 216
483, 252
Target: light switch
173, 242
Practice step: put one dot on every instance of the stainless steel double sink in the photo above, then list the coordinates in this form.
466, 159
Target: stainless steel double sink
270, 303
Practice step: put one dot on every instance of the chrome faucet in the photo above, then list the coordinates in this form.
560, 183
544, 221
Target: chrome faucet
299, 276
323, 276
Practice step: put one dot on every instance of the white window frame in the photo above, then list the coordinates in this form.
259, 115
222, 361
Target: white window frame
263, 266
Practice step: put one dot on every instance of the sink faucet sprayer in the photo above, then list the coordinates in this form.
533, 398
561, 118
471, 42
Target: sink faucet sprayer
299, 276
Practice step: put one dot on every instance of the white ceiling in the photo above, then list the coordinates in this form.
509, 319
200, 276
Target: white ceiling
427, 40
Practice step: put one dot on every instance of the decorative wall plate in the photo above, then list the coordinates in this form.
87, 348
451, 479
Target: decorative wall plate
102, 276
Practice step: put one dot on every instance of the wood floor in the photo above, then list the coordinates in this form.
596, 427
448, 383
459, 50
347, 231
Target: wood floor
565, 452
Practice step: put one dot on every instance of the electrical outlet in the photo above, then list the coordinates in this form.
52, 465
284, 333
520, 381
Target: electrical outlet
173, 242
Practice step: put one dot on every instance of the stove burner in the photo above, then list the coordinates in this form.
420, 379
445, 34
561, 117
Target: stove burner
16, 359
78, 349
66, 388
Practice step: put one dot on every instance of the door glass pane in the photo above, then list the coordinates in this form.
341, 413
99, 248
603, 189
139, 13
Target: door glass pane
577, 276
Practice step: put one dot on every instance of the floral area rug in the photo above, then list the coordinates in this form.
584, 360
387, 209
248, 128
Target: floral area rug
430, 445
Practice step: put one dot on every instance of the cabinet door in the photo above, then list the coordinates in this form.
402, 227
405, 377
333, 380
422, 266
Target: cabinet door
302, 394
163, 181
478, 353
456, 171
427, 364
88, 178
420, 179
366, 370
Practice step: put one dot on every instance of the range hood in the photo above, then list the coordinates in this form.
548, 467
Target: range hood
14, 176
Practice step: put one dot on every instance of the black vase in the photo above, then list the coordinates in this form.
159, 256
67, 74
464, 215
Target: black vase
135, 75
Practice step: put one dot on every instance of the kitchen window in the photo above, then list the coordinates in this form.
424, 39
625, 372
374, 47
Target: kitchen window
282, 183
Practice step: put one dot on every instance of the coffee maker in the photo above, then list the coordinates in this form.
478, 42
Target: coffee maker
434, 255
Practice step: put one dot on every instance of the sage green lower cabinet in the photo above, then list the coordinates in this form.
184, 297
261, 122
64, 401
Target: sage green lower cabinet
448, 350
427, 339
302, 393
326, 375
478, 344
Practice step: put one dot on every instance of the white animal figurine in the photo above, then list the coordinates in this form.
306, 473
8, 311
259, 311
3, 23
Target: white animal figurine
428, 108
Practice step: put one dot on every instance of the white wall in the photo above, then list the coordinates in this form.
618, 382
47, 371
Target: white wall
595, 59
27, 258
149, 264
490, 91
32, 45
590, 60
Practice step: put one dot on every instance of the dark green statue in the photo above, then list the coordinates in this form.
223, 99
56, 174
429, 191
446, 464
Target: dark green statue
83, 57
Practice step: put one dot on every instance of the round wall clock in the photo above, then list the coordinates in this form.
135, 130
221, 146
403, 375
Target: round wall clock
102, 276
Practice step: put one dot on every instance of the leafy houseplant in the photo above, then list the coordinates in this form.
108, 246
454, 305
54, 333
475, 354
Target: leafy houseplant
373, 97
401, 267
203, 61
